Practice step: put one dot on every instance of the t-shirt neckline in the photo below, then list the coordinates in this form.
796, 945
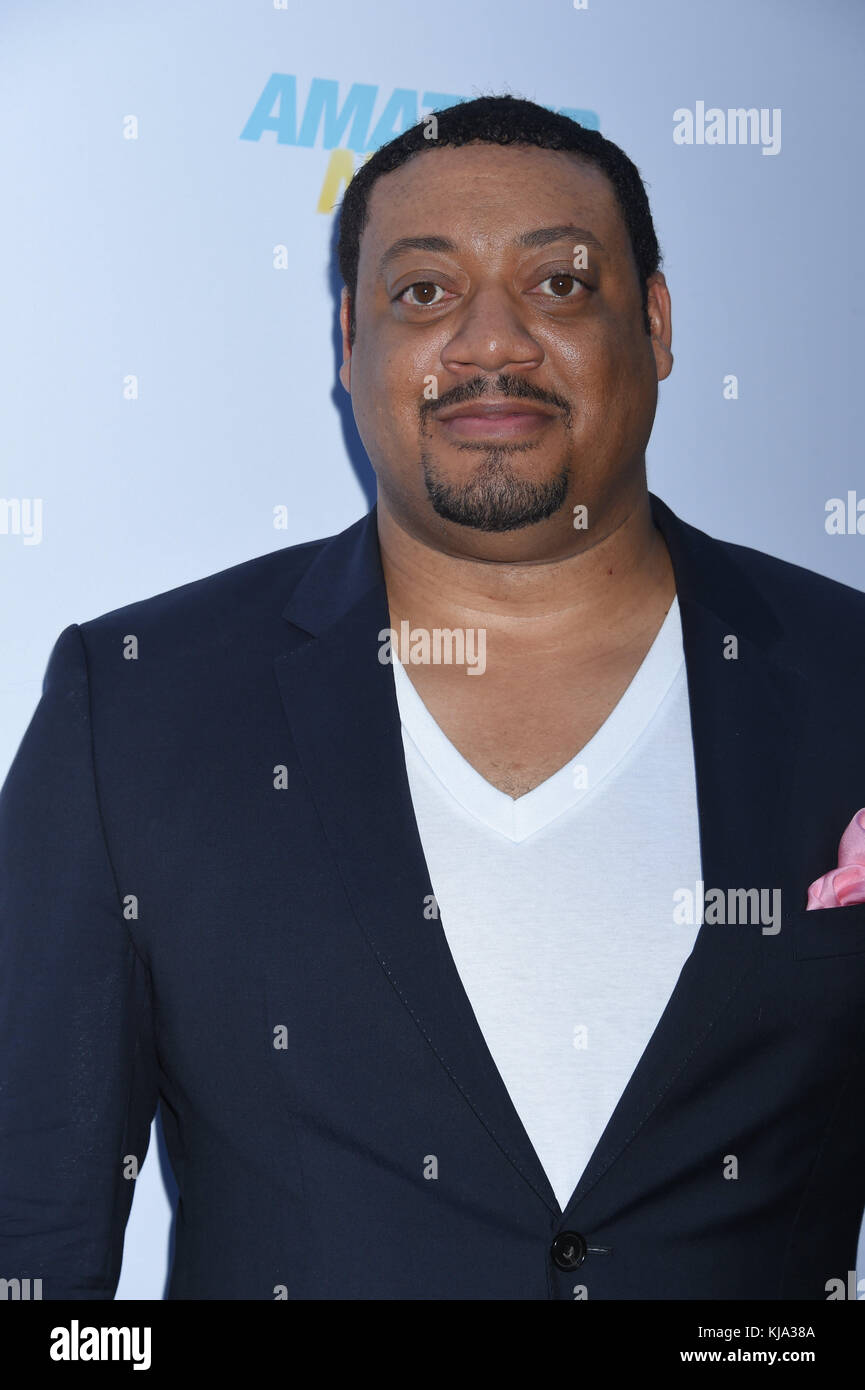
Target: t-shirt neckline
580, 777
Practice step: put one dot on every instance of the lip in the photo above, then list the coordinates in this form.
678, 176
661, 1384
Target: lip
495, 419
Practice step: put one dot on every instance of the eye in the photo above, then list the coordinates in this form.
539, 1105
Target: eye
423, 287
563, 278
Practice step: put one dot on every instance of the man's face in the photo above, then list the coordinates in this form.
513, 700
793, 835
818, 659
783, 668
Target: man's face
501, 281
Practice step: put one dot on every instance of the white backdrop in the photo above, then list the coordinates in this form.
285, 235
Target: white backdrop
169, 339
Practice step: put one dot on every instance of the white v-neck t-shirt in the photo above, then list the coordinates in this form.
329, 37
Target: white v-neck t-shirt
558, 907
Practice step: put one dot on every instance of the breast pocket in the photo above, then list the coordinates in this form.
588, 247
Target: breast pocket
829, 931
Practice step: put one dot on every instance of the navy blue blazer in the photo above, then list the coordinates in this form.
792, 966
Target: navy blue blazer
212, 895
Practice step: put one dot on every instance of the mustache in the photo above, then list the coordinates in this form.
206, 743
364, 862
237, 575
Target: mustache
504, 385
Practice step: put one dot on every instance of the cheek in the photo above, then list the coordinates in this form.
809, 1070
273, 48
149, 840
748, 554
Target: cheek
386, 394
615, 376
394, 388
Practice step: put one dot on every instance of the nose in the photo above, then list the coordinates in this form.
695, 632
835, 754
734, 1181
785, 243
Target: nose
490, 335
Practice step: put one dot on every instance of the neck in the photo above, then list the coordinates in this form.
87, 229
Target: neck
620, 578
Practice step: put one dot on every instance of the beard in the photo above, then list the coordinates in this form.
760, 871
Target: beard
495, 498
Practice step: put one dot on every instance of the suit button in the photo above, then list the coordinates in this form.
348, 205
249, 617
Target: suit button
568, 1250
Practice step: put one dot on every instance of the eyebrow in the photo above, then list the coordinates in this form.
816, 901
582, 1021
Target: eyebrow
414, 243
544, 235
541, 236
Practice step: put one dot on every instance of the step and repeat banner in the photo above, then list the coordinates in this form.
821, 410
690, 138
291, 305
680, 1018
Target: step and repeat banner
170, 344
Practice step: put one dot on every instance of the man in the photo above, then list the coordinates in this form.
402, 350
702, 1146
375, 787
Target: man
446, 880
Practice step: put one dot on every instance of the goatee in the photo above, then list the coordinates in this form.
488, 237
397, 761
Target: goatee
494, 498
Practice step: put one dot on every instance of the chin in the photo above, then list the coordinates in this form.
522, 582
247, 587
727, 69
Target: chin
496, 498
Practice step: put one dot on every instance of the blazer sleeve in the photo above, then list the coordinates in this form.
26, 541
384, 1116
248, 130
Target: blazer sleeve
78, 1069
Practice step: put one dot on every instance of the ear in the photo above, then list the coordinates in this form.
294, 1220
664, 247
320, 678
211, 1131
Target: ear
345, 369
660, 319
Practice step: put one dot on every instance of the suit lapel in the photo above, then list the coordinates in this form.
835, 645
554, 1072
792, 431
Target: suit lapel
342, 708
341, 704
745, 711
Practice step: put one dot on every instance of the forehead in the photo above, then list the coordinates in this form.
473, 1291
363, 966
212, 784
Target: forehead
481, 196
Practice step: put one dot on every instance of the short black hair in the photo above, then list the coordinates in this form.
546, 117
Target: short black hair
502, 120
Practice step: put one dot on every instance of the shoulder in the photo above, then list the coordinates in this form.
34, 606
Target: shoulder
794, 591
814, 624
230, 605
821, 620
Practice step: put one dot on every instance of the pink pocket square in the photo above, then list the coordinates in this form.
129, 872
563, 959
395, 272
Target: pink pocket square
846, 884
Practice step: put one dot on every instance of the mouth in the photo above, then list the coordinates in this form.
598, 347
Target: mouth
507, 419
